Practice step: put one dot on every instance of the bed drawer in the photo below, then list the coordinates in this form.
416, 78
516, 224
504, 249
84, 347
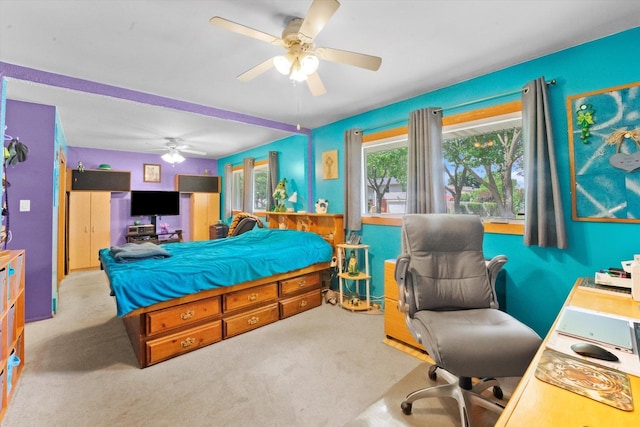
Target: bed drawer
305, 282
182, 342
184, 314
235, 325
295, 305
249, 297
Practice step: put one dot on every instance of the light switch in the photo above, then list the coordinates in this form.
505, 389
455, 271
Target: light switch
25, 205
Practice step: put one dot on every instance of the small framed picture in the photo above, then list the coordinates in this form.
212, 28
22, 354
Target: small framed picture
151, 173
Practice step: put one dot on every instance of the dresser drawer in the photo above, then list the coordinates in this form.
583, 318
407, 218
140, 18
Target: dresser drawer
185, 314
305, 282
249, 297
295, 305
395, 326
235, 325
182, 342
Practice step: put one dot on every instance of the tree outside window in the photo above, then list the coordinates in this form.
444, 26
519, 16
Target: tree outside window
482, 166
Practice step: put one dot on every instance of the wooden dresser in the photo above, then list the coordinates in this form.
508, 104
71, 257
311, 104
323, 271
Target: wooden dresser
12, 302
166, 330
395, 327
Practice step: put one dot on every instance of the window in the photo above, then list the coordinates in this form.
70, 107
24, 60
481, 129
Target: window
237, 189
260, 188
385, 167
482, 165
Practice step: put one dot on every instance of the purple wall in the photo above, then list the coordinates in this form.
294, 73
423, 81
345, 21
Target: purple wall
133, 162
34, 125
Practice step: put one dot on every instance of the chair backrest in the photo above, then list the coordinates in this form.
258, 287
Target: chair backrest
239, 226
245, 224
447, 268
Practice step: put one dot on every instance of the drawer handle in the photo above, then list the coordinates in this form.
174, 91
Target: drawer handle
302, 282
303, 303
253, 297
188, 342
253, 320
187, 314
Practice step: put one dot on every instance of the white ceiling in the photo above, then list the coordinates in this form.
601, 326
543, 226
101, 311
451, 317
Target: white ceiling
168, 48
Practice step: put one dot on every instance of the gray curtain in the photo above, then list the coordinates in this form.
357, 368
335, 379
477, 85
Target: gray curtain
273, 178
544, 219
228, 190
247, 187
425, 185
353, 179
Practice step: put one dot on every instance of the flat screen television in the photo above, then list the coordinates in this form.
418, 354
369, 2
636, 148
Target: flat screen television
155, 203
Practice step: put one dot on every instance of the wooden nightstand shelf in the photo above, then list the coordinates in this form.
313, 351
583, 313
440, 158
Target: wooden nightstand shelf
344, 253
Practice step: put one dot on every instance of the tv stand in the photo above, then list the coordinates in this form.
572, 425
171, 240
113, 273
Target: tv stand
157, 238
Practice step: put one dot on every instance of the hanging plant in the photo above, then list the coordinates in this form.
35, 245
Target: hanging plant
585, 118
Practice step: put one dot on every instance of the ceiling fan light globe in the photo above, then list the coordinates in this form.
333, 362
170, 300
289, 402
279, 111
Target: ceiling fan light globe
298, 76
309, 64
297, 73
282, 64
173, 157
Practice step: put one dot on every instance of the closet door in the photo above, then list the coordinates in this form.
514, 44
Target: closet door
79, 229
100, 225
205, 211
89, 227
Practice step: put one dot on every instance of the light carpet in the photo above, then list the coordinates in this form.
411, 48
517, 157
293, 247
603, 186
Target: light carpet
323, 367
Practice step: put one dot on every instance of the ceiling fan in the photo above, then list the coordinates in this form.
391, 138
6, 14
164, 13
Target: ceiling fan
302, 58
174, 148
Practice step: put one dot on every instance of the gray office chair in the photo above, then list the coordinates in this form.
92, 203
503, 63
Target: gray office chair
447, 292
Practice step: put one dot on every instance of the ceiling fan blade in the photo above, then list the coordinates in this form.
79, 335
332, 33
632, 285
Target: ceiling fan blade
318, 15
256, 71
361, 60
217, 21
184, 150
315, 85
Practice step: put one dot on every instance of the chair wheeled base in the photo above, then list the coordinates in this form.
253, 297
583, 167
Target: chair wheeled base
462, 390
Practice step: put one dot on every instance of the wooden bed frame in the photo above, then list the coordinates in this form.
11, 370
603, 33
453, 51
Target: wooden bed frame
171, 328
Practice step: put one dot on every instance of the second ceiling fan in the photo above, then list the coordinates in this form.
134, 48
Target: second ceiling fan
302, 58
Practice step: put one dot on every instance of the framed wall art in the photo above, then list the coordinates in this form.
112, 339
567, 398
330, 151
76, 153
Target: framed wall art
151, 173
604, 150
330, 164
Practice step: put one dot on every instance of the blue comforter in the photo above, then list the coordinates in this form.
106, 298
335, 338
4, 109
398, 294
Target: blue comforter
197, 266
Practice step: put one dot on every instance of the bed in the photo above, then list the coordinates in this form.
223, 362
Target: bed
184, 296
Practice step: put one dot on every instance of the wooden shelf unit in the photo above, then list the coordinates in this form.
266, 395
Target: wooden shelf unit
329, 226
12, 324
362, 253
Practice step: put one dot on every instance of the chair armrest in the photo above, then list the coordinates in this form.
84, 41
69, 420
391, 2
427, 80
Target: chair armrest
402, 268
494, 266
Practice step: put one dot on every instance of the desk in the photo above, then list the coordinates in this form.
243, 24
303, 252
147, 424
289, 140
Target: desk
536, 403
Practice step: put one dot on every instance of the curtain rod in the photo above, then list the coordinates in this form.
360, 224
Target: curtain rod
464, 104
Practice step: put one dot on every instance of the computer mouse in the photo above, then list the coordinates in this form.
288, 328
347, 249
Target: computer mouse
592, 350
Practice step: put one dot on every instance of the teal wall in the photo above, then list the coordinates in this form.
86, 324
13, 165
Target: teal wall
292, 164
537, 279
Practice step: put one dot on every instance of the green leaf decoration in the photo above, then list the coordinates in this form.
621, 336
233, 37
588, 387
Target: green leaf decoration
585, 118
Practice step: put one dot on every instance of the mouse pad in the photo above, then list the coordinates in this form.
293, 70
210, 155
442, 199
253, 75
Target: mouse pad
587, 379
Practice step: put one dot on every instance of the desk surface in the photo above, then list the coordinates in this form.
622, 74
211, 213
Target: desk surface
536, 403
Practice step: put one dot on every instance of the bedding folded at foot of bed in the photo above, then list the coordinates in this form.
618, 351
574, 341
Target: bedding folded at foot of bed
135, 251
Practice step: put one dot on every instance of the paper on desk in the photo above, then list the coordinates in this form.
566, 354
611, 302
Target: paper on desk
629, 363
